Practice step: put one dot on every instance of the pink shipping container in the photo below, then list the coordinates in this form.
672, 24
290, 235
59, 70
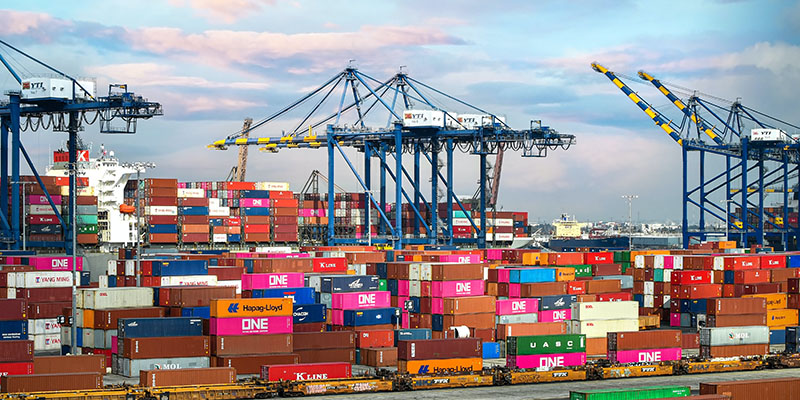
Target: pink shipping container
38, 199
55, 263
437, 305
114, 341
403, 288
521, 306
272, 281
546, 360
337, 317
358, 300
250, 326
514, 290
253, 202
286, 255
503, 275
650, 355
494, 254
457, 288
675, 319
461, 258
555, 315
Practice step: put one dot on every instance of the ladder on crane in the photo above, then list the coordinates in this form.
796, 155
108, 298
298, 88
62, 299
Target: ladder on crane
239, 170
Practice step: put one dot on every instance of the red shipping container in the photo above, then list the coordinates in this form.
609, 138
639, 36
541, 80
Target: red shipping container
47, 310
773, 261
304, 372
622, 296
16, 351
603, 257
751, 276
162, 219
239, 186
256, 237
691, 277
700, 291
16, 368
254, 228
576, 287
13, 309
566, 259
329, 264
280, 194
373, 339
44, 295
742, 262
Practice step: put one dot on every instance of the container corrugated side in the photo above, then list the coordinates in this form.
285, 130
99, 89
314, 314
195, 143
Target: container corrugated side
132, 368
779, 389
599, 329
177, 377
605, 310
122, 297
650, 392
546, 344
737, 335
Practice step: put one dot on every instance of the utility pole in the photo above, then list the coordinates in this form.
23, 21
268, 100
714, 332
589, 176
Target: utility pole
629, 198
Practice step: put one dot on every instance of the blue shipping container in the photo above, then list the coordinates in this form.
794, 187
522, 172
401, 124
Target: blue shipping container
215, 222
235, 238
254, 194
349, 283
793, 261
415, 305
792, 335
255, 211
14, 330
112, 281
308, 313
163, 228
86, 278
557, 302
694, 306
533, 275
79, 332
382, 270
437, 322
180, 267
412, 334
197, 312
391, 286
159, 327
368, 316
491, 350
777, 336
304, 295
192, 210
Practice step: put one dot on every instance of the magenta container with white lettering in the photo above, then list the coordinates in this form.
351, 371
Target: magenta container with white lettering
460, 258
279, 280
250, 325
253, 202
457, 288
555, 315
359, 300
41, 199
515, 290
403, 288
649, 355
55, 263
513, 307
546, 360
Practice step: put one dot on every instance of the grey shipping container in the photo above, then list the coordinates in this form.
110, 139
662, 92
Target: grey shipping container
349, 283
557, 302
734, 335
517, 319
131, 368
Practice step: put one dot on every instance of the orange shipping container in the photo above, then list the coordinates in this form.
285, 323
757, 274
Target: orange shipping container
530, 329
781, 317
775, 301
260, 307
565, 258
565, 274
375, 339
531, 258
441, 367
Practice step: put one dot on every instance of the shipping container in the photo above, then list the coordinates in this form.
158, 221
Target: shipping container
545, 360
349, 283
730, 336
305, 372
165, 347
777, 389
250, 325
327, 355
742, 350
15, 351
439, 349
177, 377
251, 344
595, 311
449, 366
252, 363
725, 306
259, 307
644, 355
132, 368
68, 364
158, 327
325, 340
654, 339
650, 392
51, 382
546, 344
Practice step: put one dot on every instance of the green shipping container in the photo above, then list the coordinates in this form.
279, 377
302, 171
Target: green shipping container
459, 214
625, 266
622, 256
382, 285
546, 344
86, 219
87, 229
582, 271
649, 392
658, 275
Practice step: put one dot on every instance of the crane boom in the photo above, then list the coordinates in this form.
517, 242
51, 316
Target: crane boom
699, 121
650, 111
498, 166
238, 172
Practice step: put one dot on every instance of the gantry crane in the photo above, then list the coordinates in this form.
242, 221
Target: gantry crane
63, 104
754, 162
239, 170
415, 125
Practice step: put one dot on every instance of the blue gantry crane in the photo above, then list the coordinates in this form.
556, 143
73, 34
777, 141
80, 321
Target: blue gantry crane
62, 103
756, 152
412, 122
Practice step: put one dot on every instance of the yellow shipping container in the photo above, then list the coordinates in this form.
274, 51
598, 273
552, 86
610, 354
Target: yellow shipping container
565, 274
727, 245
88, 318
781, 317
251, 307
775, 301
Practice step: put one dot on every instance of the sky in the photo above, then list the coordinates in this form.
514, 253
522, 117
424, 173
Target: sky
212, 63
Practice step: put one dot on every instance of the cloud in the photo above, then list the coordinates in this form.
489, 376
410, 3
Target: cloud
229, 11
152, 74
32, 24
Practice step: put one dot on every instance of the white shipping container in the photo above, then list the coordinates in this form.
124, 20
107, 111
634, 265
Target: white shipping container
605, 310
327, 299
131, 368
649, 288
46, 326
87, 339
413, 272
215, 202
638, 261
47, 342
415, 288
219, 211
462, 222
734, 335
501, 237
79, 318
219, 238
42, 279
278, 186
11, 293
161, 210
130, 267
426, 272
111, 267
517, 318
56, 88
600, 329
768, 135
122, 297
189, 280
42, 209
649, 300
472, 121
80, 191
66, 331
187, 193
423, 118
274, 249
500, 222
102, 281
237, 283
